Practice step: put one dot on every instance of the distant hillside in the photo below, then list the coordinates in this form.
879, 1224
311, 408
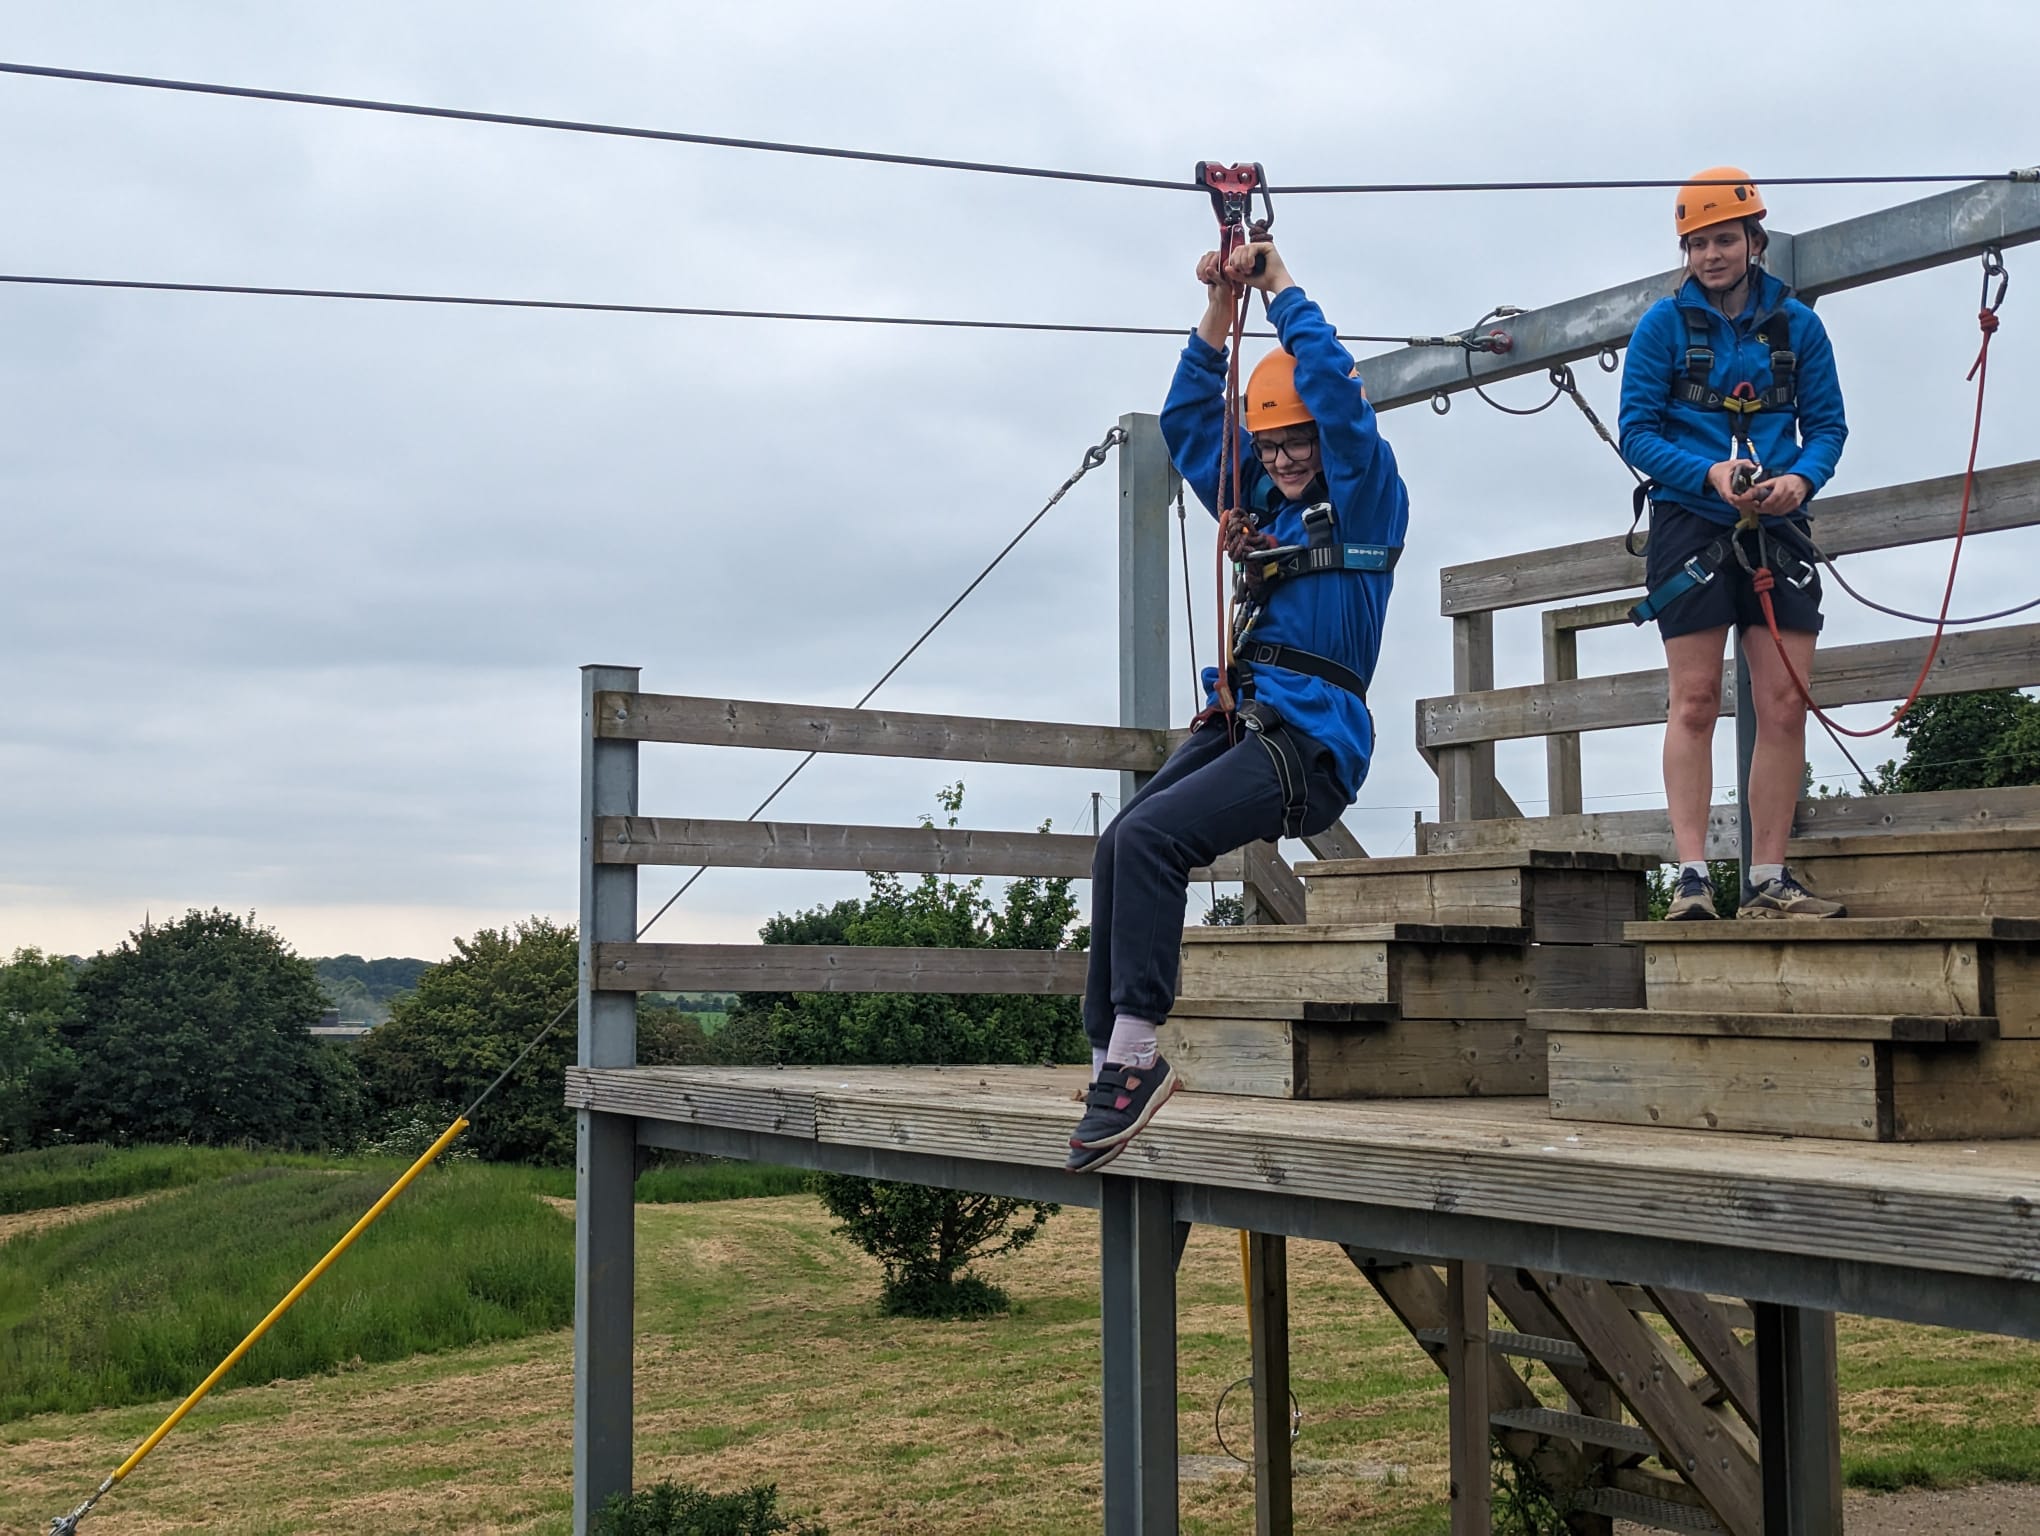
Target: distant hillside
363, 989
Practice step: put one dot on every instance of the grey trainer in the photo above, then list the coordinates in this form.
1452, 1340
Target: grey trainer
1786, 897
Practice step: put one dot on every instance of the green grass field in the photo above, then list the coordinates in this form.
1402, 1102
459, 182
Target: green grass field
59, 1176
762, 1359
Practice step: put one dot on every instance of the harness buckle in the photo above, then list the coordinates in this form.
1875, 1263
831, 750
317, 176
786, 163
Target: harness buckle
1743, 400
1318, 522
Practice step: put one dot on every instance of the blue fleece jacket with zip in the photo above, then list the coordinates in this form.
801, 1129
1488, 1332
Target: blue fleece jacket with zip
1676, 442
1338, 615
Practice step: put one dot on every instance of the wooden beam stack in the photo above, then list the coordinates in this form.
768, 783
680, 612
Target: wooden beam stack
1412, 977
1863, 1028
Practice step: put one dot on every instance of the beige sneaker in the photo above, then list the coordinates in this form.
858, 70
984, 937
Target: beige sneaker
1692, 899
1786, 897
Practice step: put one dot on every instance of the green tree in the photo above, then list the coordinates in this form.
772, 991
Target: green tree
38, 1005
468, 1018
1968, 741
196, 1031
927, 1239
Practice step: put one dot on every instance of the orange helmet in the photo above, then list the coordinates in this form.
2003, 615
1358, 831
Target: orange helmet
1272, 400
1701, 205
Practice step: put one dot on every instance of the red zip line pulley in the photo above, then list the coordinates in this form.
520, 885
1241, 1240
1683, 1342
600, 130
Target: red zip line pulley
1762, 580
1232, 189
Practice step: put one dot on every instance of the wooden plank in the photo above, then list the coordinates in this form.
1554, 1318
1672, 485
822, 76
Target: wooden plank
1219, 937
1840, 930
1426, 979
1926, 1029
1272, 889
2004, 657
1290, 1010
1586, 976
1650, 831
2013, 975
959, 851
1467, 1367
2001, 882
1335, 842
1929, 1207
878, 733
1992, 840
1261, 1058
740, 1099
1484, 896
1987, 1091
1563, 789
1890, 517
836, 968
1554, 857
1838, 1088
1820, 978
1706, 1328
1421, 1059
1713, 1452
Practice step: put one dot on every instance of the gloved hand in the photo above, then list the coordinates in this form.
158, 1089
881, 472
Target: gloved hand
1242, 542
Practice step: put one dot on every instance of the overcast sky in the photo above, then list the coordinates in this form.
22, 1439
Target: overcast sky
295, 591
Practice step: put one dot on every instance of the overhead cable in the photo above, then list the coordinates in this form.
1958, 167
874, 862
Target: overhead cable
928, 162
589, 307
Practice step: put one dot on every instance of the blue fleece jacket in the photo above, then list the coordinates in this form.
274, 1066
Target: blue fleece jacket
1339, 615
1676, 442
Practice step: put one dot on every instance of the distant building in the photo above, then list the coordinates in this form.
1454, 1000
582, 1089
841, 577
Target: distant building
329, 1027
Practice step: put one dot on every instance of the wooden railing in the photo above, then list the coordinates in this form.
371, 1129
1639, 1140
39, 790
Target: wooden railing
1457, 732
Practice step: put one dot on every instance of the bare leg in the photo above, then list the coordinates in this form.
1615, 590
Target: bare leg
1693, 665
1778, 770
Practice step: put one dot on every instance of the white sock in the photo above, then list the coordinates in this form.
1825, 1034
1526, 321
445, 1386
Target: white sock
1133, 1042
1693, 867
1097, 1062
1764, 874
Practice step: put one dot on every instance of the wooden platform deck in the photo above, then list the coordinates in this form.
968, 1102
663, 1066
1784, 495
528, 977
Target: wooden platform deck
1945, 1233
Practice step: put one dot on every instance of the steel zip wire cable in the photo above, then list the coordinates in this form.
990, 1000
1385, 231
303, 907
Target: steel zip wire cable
67, 1524
928, 162
371, 296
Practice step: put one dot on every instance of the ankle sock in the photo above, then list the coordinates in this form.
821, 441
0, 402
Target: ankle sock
1133, 1041
1693, 867
1763, 874
1097, 1062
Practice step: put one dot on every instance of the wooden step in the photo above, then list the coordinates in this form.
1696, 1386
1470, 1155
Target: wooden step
1524, 1346
1555, 1424
1660, 1514
1218, 1050
1994, 873
1428, 970
1560, 896
1822, 1082
1968, 966
1911, 1029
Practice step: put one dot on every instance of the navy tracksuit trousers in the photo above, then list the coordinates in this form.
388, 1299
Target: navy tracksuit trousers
1213, 795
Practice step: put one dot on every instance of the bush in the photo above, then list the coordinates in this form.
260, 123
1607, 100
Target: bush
926, 1239
671, 1509
197, 1031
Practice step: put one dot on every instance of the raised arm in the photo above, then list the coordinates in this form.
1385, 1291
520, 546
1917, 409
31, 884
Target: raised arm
1193, 416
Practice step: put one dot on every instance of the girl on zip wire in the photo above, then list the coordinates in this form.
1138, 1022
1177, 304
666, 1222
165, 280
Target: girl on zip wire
1321, 499
1731, 405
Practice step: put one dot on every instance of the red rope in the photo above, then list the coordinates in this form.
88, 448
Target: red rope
1229, 479
1762, 581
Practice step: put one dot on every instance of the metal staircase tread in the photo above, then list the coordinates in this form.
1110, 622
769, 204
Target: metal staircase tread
1524, 1346
1582, 1427
1664, 1514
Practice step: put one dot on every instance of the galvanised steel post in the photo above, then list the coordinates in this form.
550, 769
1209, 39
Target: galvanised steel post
605, 1163
1146, 482
1137, 1257
1798, 1421
1745, 754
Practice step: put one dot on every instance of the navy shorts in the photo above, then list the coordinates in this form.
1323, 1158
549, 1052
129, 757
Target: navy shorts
1678, 533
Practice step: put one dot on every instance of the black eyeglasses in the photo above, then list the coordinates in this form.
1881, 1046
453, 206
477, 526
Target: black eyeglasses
1298, 449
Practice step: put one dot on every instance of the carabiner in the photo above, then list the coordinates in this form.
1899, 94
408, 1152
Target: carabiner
1994, 267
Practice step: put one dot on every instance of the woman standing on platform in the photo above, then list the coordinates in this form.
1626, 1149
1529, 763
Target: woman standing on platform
1731, 405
